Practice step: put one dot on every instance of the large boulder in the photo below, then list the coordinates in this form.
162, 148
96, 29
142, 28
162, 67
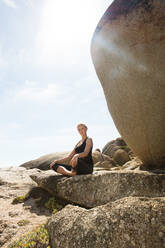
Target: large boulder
43, 162
118, 150
114, 145
128, 50
127, 223
121, 156
98, 156
101, 187
102, 161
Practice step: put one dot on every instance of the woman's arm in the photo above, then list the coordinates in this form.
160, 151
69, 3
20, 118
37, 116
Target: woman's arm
68, 158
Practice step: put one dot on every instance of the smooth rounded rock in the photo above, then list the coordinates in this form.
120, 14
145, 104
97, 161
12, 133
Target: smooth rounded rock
121, 157
128, 51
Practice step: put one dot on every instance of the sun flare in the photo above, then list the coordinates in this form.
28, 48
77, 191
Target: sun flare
66, 25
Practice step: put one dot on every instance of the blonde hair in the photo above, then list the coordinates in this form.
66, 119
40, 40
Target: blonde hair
82, 124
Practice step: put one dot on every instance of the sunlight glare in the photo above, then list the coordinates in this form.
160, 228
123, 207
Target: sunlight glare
67, 25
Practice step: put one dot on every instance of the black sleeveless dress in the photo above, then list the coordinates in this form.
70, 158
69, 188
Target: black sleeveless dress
84, 164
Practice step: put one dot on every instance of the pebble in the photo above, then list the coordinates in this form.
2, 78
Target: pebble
13, 214
161, 234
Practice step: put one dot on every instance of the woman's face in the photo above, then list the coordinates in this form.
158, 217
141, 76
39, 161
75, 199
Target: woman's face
82, 129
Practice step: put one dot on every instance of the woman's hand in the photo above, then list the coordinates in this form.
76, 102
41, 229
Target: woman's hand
53, 163
74, 160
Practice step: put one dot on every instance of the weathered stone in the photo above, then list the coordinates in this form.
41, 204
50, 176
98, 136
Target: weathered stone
102, 187
100, 157
128, 50
43, 162
105, 165
124, 223
113, 145
2, 182
121, 156
111, 149
15, 181
135, 163
118, 150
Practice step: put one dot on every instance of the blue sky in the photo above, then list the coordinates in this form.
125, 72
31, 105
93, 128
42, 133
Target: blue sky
47, 80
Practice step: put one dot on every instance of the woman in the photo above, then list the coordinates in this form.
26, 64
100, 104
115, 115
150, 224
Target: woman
80, 159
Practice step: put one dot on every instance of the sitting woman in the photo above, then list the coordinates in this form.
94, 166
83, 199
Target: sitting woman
80, 159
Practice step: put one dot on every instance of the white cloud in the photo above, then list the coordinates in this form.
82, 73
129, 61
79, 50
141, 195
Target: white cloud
39, 93
13, 59
10, 3
34, 91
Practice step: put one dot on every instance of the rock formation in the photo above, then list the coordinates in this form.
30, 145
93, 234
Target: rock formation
127, 223
101, 187
98, 156
118, 150
44, 162
128, 50
128, 207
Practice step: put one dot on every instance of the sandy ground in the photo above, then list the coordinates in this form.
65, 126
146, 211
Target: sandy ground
15, 181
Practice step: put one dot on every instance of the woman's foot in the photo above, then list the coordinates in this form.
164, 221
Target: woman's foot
66, 172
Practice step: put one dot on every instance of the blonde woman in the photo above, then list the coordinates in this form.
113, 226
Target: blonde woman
80, 159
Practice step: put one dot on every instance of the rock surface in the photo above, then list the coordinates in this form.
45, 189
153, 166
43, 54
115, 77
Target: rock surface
16, 182
121, 156
100, 157
44, 162
127, 223
118, 150
113, 146
102, 187
128, 50
134, 164
105, 165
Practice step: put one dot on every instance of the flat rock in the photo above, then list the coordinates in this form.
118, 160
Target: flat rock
102, 187
127, 223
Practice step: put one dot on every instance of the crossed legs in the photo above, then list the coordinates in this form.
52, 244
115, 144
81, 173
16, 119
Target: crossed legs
63, 169
66, 172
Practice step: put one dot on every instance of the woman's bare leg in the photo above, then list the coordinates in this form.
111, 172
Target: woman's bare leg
66, 172
74, 163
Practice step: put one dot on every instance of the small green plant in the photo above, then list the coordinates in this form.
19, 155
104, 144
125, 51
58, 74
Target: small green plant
20, 199
53, 205
23, 222
37, 238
